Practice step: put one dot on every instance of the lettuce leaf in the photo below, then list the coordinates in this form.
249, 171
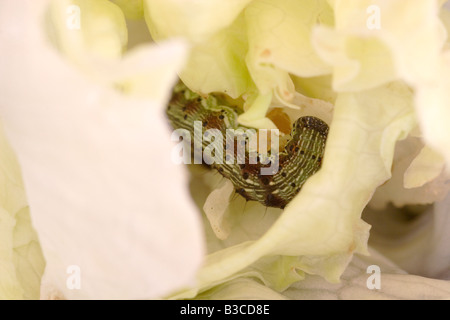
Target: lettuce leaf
21, 260
426, 167
395, 284
87, 29
362, 70
221, 61
413, 237
279, 34
189, 18
380, 80
358, 158
418, 177
248, 48
100, 197
132, 9
241, 289
366, 57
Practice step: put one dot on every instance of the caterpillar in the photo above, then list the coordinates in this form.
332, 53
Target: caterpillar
300, 158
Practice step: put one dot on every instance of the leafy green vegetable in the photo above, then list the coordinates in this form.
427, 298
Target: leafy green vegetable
354, 63
100, 198
279, 33
87, 29
133, 9
395, 284
328, 50
21, 260
322, 225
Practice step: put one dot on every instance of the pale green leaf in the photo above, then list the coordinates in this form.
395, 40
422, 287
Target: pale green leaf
95, 186
21, 260
87, 29
133, 9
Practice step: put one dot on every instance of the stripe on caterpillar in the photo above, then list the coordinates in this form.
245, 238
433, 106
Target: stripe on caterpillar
301, 157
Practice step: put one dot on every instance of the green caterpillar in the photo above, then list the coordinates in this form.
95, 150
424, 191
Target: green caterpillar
301, 158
